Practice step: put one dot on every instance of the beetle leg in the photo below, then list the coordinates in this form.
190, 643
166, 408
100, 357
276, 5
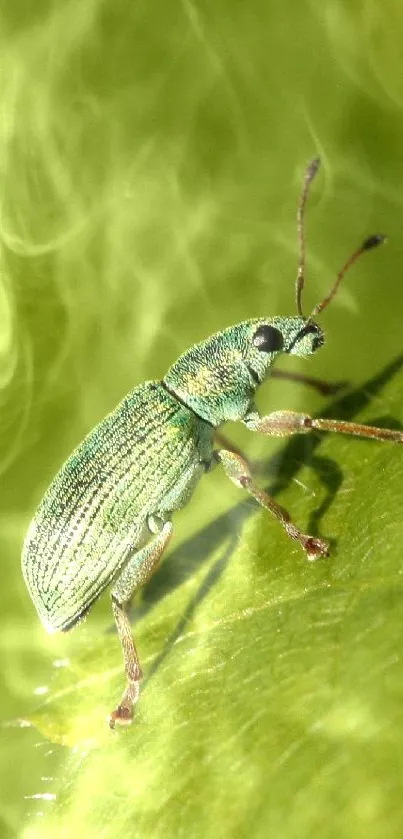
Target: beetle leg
137, 571
237, 470
320, 385
228, 445
285, 423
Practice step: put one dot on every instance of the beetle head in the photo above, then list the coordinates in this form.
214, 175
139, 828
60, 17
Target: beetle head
218, 378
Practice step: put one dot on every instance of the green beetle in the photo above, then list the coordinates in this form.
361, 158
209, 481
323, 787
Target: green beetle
106, 518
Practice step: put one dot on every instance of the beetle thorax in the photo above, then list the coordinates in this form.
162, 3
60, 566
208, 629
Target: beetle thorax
213, 377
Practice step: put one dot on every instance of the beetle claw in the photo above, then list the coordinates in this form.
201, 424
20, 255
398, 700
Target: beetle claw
123, 715
315, 548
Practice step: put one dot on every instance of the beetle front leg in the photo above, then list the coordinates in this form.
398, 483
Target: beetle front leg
286, 423
138, 570
237, 470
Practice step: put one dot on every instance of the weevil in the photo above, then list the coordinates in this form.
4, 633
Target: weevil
106, 517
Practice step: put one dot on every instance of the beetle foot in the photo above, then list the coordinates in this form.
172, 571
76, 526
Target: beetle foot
315, 548
122, 715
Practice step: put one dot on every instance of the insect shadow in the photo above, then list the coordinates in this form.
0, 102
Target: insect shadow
185, 560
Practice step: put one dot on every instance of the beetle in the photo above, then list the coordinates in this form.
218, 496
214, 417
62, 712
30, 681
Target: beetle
106, 517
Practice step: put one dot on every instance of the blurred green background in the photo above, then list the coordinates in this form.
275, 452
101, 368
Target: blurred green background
151, 156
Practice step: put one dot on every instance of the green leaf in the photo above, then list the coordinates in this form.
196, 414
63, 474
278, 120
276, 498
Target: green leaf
271, 703
151, 159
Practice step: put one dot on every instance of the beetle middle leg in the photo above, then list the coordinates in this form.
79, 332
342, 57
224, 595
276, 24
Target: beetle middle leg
137, 571
237, 470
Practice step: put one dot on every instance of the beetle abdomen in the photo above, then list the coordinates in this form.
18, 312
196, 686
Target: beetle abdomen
95, 511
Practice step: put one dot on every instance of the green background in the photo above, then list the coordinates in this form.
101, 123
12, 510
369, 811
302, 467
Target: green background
151, 156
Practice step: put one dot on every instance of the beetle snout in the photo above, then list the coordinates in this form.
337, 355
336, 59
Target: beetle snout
307, 340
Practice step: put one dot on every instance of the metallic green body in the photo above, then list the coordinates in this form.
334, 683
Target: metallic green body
141, 462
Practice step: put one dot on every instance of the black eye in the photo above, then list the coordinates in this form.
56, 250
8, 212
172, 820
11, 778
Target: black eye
268, 339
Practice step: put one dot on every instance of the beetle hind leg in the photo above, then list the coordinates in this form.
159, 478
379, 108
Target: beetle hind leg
124, 712
137, 571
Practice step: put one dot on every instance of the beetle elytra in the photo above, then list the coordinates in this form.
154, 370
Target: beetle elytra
106, 517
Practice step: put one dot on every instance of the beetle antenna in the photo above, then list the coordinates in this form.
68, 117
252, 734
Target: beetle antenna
310, 173
371, 242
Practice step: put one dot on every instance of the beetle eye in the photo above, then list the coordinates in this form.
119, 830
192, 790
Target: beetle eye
268, 339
